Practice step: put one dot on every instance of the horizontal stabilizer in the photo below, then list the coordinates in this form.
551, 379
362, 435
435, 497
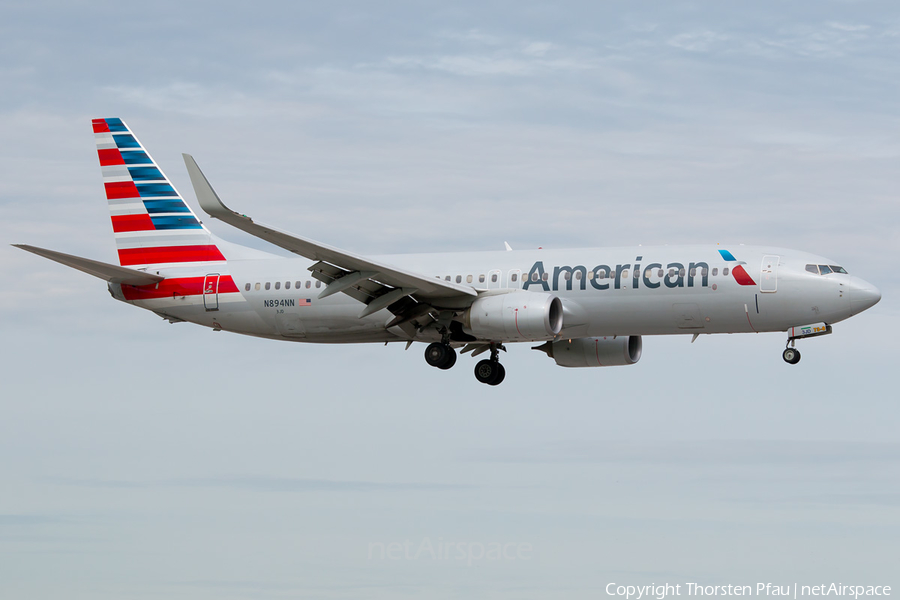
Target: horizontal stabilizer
106, 271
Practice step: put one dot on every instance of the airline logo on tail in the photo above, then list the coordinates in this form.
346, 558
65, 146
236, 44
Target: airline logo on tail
737, 271
151, 222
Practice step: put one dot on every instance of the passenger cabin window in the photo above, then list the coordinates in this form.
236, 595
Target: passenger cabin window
704, 272
725, 271
308, 283
459, 279
277, 285
715, 271
268, 285
247, 288
447, 278
468, 279
514, 277
578, 275
660, 273
567, 276
494, 278
297, 284
318, 284
256, 287
287, 285
481, 279
545, 276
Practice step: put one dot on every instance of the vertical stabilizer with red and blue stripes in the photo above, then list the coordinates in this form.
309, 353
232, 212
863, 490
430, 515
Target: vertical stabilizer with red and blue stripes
152, 223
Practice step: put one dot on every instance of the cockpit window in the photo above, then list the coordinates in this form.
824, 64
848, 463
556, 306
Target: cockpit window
825, 269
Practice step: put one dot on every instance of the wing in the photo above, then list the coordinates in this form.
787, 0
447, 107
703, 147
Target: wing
376, 284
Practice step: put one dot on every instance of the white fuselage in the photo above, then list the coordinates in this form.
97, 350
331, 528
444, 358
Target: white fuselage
642, 290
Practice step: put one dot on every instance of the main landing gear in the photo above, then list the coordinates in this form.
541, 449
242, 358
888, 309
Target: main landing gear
440, 355
489, 371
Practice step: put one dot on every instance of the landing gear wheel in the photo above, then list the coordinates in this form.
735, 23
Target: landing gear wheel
439, 355
501, 373
791, 356
450, 360
489, 372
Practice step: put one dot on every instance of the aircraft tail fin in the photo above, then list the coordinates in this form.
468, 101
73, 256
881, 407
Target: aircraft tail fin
152, 223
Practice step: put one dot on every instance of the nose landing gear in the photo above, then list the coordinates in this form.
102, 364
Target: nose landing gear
791, 356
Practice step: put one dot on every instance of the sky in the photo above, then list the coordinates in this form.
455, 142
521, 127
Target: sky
143, 459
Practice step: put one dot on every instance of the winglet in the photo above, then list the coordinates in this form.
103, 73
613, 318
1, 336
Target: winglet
206, 195
388, 275
508, 247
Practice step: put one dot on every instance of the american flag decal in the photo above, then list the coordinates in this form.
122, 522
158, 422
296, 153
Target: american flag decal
304, 302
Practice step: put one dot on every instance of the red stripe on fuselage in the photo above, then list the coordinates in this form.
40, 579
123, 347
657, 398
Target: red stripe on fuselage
110, 156
741, 276
168, 254
141, 222
170, 288
121, 189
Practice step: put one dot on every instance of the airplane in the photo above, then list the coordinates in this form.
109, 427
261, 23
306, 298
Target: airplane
589, 307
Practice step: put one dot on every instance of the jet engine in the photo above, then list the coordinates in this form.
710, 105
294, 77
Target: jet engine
594, 351
515, 317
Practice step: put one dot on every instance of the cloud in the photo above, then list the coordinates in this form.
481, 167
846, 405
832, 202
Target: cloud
194, 99
14, 520
259, 483
697, 41
696, 453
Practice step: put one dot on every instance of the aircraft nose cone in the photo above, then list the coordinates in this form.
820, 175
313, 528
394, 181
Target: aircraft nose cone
863, 295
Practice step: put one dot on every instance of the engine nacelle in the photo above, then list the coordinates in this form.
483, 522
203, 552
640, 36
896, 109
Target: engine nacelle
515, 317
595, 352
